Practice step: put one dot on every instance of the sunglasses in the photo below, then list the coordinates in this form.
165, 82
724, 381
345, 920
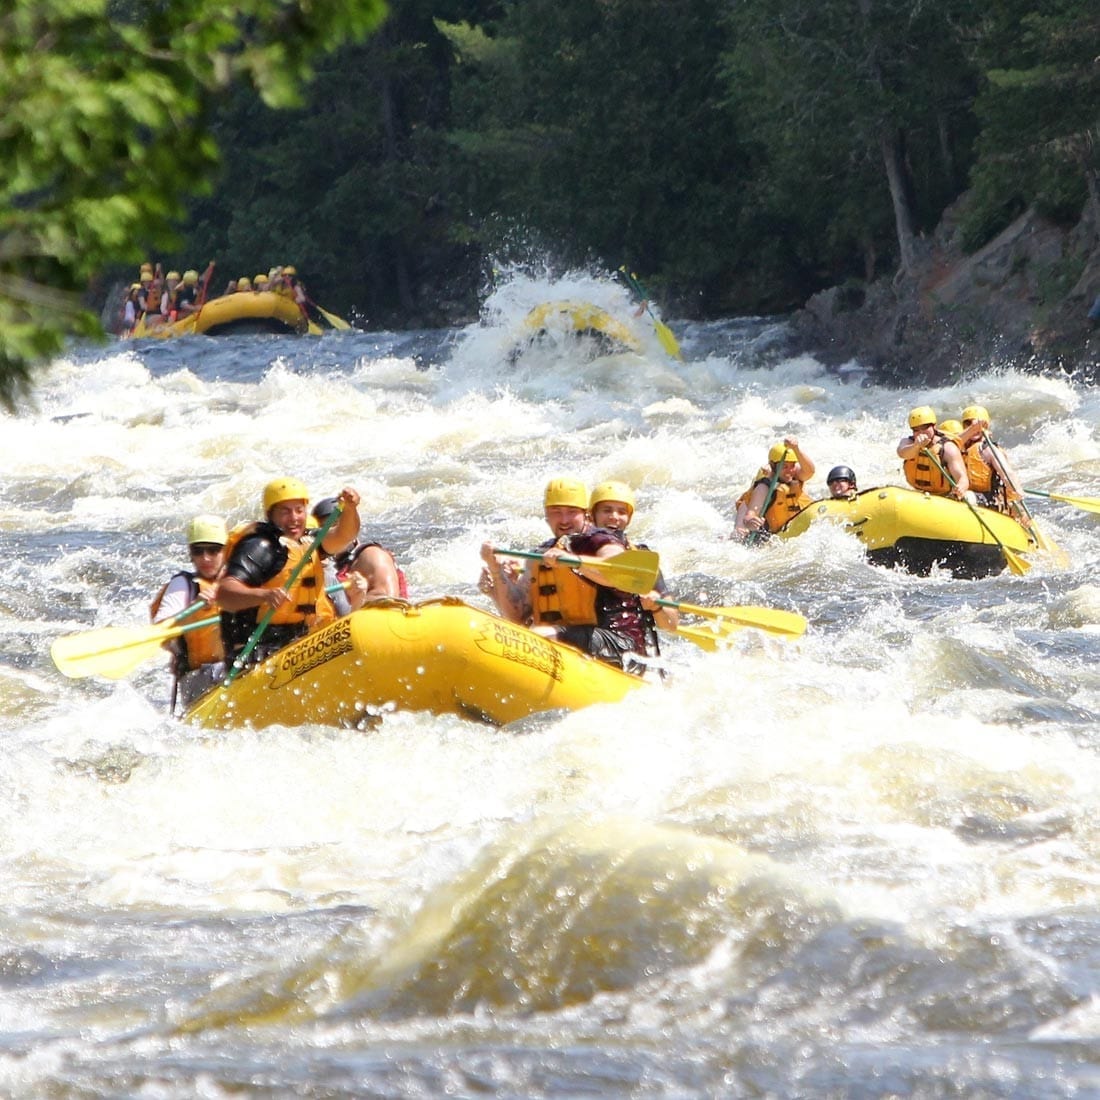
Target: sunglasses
200, 549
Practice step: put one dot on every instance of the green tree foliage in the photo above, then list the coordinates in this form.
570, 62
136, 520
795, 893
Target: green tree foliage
355, 188
600, 126
852, 103
105, 129
1039, 113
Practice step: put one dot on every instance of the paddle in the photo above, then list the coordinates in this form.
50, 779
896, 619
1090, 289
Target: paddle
115, 651
1015, 563
664, 334
752, 536
336, 322
238, 665
1042, 540
727, 620
1086, 504
631, 571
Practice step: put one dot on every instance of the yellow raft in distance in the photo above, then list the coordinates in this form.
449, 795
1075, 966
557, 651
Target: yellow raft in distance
916, 531
245, 311
441, 656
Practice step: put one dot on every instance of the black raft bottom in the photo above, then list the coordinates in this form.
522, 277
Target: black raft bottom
967, 560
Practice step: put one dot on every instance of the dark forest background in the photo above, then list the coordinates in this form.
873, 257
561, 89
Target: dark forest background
737, 155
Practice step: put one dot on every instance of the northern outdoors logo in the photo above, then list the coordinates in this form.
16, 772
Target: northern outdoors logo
312, 651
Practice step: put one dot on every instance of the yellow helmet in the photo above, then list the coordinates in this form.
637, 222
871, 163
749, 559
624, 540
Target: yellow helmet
612, 490
283, 489
135, 286
147, 266
780, 452
172, 275
921, 415
209, 529
952, 428
261, 278
977, 412
190, 276
244, 283
566, 492
146, 276
289, 269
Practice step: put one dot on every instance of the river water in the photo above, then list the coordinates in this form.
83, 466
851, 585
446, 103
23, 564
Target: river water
864, 864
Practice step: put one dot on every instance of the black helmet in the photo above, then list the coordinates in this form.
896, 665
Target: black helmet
324, 508
837, 473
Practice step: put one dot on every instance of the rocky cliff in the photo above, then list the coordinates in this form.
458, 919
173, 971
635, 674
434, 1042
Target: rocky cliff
1021, 301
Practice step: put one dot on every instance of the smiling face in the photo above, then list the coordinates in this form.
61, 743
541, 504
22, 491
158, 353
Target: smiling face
786, 474
290, 517
564, 520
612, 514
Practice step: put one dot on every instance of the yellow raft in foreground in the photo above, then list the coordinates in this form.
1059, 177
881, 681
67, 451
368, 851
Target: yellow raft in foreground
902, 527
441, 656
247, 311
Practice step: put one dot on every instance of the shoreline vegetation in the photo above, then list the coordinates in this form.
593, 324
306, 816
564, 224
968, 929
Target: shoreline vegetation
938, 166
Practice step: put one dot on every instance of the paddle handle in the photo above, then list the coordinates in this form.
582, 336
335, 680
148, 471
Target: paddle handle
565, 559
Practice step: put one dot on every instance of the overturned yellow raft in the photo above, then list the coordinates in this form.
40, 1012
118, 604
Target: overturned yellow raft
263, 311
916, 531
442, 656
581, 319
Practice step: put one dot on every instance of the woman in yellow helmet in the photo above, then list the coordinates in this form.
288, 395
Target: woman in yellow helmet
611, 507
260, 558
198, 658
991, 475
777, 493
925, 450
572, 604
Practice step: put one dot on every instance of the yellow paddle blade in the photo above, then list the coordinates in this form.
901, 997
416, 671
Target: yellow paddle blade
1048, 546
113, 652
786, 624
1086, 504
336, 322
314, 329
667, 340
631, 571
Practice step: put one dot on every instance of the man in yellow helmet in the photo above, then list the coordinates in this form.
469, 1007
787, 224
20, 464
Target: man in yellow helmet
573, 604
777, 493
260, 560
198, 658
926, 454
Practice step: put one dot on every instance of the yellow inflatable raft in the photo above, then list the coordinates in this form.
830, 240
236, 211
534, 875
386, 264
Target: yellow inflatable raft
902, 527
581, 319
247, 311
442, 656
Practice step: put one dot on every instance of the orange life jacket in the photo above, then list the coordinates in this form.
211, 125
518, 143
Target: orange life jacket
788, 501
308, 602
562, 597
197, 647
923, 474
977, 471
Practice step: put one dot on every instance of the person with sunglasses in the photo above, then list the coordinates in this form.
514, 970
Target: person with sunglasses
198, 659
